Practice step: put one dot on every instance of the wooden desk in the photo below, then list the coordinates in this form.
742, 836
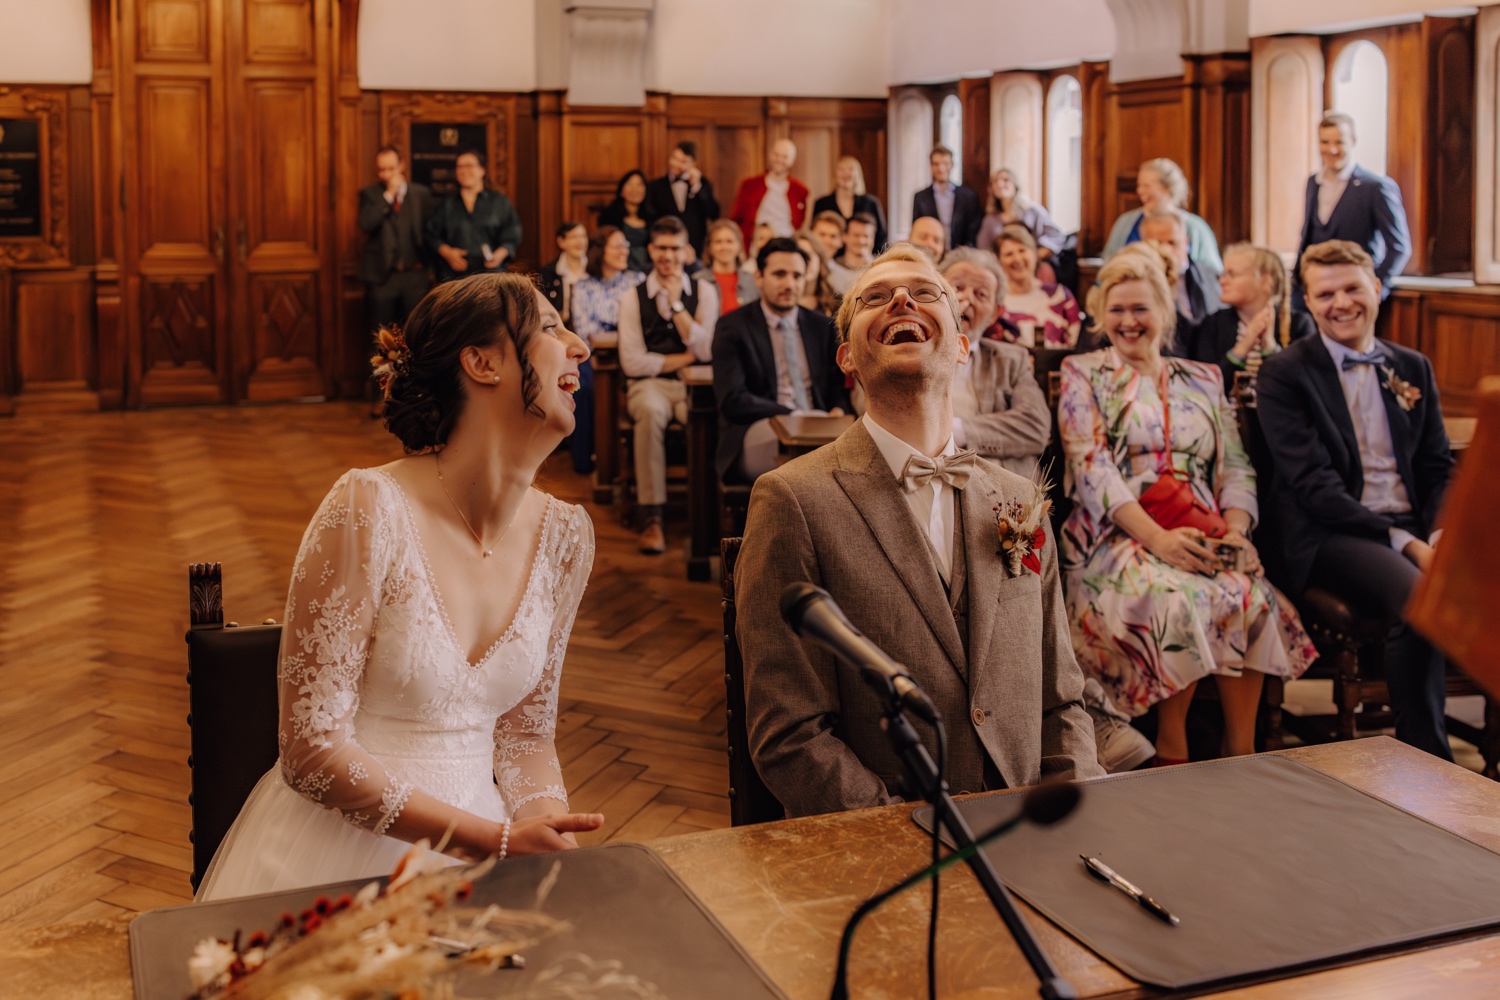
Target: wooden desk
703, 480
800, 434
1460, 431
606, 361
785, 889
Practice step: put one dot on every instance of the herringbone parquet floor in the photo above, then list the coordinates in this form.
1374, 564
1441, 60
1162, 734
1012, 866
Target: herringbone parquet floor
100, 515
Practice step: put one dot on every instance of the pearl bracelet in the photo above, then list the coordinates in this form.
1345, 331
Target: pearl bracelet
505, 841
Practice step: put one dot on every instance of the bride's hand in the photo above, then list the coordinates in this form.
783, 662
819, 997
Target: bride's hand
541, 834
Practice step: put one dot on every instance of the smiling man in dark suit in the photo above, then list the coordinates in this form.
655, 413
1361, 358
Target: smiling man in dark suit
772, 357
393, 213
1347, 202
954, 205
685, 193
1362, 464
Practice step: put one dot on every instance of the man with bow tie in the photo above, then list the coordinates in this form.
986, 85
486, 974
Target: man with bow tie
901, 527
685, 193
1362, 463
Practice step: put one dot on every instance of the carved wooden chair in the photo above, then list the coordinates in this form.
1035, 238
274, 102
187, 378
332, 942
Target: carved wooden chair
750, 801
232, 711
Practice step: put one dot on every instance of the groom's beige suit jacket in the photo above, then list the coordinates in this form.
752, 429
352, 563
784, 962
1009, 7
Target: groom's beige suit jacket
991, 650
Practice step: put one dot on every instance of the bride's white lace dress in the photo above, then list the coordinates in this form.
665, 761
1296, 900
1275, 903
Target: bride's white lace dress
378, 698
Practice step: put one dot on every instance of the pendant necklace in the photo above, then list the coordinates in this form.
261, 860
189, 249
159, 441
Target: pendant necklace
486, 552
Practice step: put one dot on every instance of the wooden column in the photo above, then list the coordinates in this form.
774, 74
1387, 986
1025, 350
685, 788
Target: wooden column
1220, 86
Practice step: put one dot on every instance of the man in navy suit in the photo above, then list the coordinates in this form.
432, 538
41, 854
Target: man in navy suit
954, 205
1362, 464
771, 357
1347, 202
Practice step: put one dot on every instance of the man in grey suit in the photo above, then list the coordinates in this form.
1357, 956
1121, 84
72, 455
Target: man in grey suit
901, 528
393, 213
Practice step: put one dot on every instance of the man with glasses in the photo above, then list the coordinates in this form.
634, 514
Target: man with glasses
905, 530
665, 324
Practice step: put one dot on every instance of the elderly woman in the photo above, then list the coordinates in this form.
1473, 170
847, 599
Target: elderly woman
595, 305
1033, 314
1009, 206
1161, 186
849, 197
1257, 319
1156, 605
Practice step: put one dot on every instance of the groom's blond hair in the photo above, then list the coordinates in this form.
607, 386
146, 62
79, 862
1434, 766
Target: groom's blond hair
907, 253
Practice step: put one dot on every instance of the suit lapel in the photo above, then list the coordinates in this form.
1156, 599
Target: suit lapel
760, 343
1399, 422
982, 565
1325, 375
866, 479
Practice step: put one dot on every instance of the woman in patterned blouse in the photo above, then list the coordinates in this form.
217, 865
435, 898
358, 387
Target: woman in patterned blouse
1045, 315
596, 302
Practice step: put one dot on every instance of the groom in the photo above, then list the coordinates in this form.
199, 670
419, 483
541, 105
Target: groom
902, 529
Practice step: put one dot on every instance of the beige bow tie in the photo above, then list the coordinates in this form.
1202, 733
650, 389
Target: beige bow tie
953, 469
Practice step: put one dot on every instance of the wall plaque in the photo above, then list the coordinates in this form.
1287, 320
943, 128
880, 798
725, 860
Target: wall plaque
20, 177
434, 150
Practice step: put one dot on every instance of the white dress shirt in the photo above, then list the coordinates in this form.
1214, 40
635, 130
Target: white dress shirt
784, 392
635, 360
931, 505
1331, 189
776, 207
943, 197
1384, 491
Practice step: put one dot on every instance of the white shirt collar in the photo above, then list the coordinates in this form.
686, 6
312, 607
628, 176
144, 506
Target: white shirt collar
894, 450
773, 321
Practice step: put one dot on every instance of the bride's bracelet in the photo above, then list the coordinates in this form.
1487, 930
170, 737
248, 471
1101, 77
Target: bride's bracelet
505, 841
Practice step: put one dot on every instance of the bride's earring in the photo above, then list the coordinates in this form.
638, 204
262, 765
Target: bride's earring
494, 378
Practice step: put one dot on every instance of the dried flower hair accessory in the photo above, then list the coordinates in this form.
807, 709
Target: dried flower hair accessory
1022, 531
392, 358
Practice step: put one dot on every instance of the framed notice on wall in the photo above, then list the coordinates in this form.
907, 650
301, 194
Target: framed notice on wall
21, 197
434, 150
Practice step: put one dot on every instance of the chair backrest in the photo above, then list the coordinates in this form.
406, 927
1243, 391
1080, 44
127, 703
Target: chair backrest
750, 801
232, 711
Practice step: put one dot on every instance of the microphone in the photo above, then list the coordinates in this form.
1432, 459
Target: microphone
813, 614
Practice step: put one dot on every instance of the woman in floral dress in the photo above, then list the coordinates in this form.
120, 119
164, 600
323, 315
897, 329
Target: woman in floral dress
1152, 609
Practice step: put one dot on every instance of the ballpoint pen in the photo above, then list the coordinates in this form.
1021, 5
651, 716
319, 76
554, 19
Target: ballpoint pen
1105, 873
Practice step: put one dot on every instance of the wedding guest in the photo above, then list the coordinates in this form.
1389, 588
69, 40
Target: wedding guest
1362, 466
849, 197
898, 524
1161, 186
1347, 202
1158, 606
1009, 206
726, 262
818, 293
596, 306
828, 228
1257, 319
928, 234
685, 193
400, 721
666, 324
1033, 314
558, 278
393, 214
475, 228
1195, 289
771, 357
629, 214
954, 205
774, 198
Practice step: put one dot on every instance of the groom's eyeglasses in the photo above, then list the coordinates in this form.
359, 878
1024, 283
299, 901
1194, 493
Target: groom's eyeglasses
879, 295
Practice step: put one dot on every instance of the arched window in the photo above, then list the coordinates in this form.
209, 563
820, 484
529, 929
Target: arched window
1361, 89
911, 142
951, 129
1064, 192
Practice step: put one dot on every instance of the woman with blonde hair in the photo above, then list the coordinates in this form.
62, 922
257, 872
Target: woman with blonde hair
724, 246
818, 293
1009, 206
849, 197
1257, 319
1161, 185
1163, 584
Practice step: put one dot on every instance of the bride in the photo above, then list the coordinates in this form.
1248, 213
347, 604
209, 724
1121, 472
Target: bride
428, 613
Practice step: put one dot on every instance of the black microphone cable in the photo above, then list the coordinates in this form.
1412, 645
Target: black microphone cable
936, 799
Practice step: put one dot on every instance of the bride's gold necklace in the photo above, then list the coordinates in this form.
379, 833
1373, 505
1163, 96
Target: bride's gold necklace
486, 552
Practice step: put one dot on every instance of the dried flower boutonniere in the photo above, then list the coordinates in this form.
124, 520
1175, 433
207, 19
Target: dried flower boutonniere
1021, 529
1406, 394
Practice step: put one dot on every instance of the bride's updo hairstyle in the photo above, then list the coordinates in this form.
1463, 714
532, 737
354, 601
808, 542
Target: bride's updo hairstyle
418, 367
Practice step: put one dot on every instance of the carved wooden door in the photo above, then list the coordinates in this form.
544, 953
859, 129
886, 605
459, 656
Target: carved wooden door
226, 127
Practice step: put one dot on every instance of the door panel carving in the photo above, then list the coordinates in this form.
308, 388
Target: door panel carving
280, 131
278, 31
179, 321
173, 30
177, 208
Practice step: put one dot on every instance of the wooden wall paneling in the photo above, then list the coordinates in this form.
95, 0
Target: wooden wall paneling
862, 135
815, 126
598, 148
8, 386
1460, 333
107, 188
356, 136
54, 333
1449, 143
1487, 146
731, 137
975, 95
1144, 119
175, 200
1222, 85
1017, 104
280, 87
1286, 102
1098, 187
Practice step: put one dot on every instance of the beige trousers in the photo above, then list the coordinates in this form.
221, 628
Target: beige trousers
652, 404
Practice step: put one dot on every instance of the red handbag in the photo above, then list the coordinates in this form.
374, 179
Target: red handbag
1170, 500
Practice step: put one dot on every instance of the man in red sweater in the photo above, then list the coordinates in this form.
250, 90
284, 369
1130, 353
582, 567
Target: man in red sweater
775, 198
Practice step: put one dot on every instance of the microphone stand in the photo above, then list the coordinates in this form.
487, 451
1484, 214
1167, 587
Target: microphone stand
922, 772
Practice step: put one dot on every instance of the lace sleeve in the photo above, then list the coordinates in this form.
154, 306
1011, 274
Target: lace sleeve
526, 764
330, 614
